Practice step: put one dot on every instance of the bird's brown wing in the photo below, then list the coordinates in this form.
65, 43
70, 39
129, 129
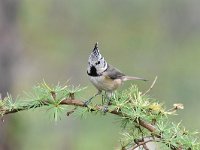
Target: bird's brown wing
113, 73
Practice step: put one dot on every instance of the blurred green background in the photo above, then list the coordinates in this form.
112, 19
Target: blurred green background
52, 39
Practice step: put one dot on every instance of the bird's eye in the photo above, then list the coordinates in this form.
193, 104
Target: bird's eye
97, 63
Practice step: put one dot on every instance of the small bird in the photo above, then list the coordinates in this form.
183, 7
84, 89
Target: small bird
103, 75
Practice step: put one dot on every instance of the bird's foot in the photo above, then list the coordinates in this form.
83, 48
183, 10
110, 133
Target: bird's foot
105, 109
86, 103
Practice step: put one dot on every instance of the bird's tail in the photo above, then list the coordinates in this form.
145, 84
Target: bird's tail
125, 78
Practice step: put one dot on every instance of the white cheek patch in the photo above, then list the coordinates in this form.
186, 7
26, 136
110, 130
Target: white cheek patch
101, 68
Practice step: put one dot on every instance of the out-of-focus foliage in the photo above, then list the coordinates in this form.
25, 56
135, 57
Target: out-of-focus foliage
139, 37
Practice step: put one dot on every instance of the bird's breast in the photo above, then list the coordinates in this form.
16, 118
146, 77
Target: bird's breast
105, 83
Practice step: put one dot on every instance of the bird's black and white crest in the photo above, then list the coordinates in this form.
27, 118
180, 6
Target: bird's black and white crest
96, 62
95, 55
95, 51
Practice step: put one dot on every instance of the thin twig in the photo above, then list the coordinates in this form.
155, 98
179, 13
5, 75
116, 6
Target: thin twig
143, 143
53, 94
71, 111
152, 85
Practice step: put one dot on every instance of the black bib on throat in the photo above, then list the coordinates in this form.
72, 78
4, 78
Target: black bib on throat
93, 72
